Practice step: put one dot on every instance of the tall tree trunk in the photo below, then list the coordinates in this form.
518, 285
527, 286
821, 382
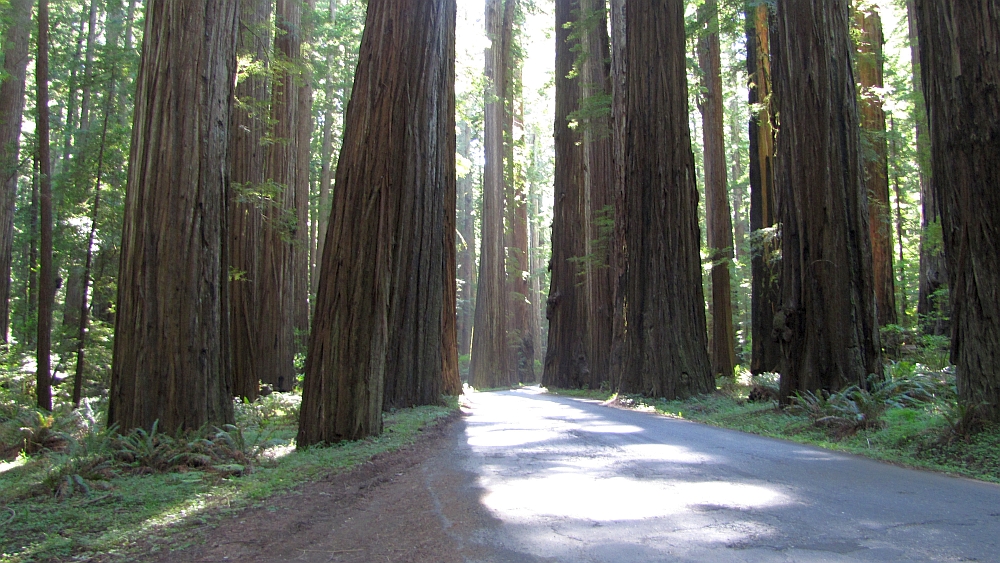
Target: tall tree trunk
467, 254
380, 304
325, 180
717, 210
534, 296
960, 66
31, 316
88, 70
171, 358
489, 365
246, 220
618, 255
765, 261
893, 155
15, 62
876, 160
277, 299
303, 144
827, 323
933, 308
43, 379
580, 303
665, 349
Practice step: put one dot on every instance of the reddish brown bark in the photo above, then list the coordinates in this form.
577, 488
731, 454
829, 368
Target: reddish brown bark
171, 354
43, 379
380, 302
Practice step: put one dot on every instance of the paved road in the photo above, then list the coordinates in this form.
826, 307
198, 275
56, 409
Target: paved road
529, 477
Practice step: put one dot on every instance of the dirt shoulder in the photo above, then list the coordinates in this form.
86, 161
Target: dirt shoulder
380, 511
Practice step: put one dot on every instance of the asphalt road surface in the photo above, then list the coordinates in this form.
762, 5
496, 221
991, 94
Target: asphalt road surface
529, 477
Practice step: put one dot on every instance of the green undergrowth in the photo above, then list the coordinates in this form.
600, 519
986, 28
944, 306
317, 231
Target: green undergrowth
912, 418
87, 492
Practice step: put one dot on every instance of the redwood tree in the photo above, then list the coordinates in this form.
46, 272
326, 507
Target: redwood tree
17, 16
876, 159
380, 301
718, 212
490, 362
581, 299
46, 285
827, 323
765, 257
171, 351
665, 350
960, 65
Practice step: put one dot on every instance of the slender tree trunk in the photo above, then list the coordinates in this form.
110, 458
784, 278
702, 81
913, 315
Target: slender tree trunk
43, 378
380, 306
903, 301
534, 296
489, 365
618, 255
960, 66
277, 299
765, 261
933, 308
31, 318
171, 354
246, 220
580, 303
84, 319
718, 212
467, 254
88, 69
303, 132
665, 348
876, 160
15, 57
827, 323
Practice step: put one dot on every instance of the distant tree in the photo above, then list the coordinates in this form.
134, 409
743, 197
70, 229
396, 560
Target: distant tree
467, 245
380, 302
827, 323
766, 243
581, 299
17, 16
490, 362
876, 158
246, 220
664, 352
960, 66
171, 353
43, 377
719, 219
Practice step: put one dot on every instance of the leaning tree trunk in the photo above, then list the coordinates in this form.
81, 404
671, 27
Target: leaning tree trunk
171, 352
246, 219
489, 365
876, 161
46, 289
765, 260
665, 351
827, 323
717, 209
15, 62
581, 300
379, 305
933, 310
960, 64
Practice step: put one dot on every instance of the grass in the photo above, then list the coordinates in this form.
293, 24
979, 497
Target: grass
912, 419
105, 494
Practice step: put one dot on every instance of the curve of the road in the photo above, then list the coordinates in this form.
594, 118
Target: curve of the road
533, 477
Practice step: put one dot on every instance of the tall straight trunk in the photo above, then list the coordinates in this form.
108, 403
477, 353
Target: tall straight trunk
618, 255
277, 298
467, 243
171, 359
960, 67
765, 261
933, 308
43, 379
84, 318
876, 160
718, 212
88, 69
827, 323
451, 379
534, 296
490, 362
380, 305
246, 220
70, 123
31, 311
665, 350
893, 155
580, 303
15, 62
303, 137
